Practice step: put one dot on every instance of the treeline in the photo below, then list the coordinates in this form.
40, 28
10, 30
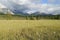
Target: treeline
38, 17
29, 17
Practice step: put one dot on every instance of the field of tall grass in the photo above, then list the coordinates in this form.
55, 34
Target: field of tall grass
29, 29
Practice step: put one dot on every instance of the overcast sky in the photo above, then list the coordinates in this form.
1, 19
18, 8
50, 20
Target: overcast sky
36, 5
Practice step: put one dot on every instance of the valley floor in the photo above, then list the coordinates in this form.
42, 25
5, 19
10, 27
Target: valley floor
29, 29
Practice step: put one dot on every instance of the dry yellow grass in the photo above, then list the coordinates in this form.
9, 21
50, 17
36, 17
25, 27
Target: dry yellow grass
29, 29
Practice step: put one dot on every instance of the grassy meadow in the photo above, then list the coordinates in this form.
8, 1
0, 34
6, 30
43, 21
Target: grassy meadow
29, 29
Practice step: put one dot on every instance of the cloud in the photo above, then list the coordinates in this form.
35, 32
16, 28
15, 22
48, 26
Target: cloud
21, 2
2, 6
34, 5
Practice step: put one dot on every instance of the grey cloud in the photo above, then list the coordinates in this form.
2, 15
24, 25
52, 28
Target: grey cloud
31, 6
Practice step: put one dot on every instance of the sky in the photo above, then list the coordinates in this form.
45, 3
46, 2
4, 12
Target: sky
34, 5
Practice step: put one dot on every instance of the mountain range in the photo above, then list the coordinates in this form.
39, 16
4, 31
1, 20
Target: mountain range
23, 10
5, 10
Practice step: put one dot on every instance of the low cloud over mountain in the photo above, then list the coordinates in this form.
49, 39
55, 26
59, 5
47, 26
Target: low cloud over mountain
31, 6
